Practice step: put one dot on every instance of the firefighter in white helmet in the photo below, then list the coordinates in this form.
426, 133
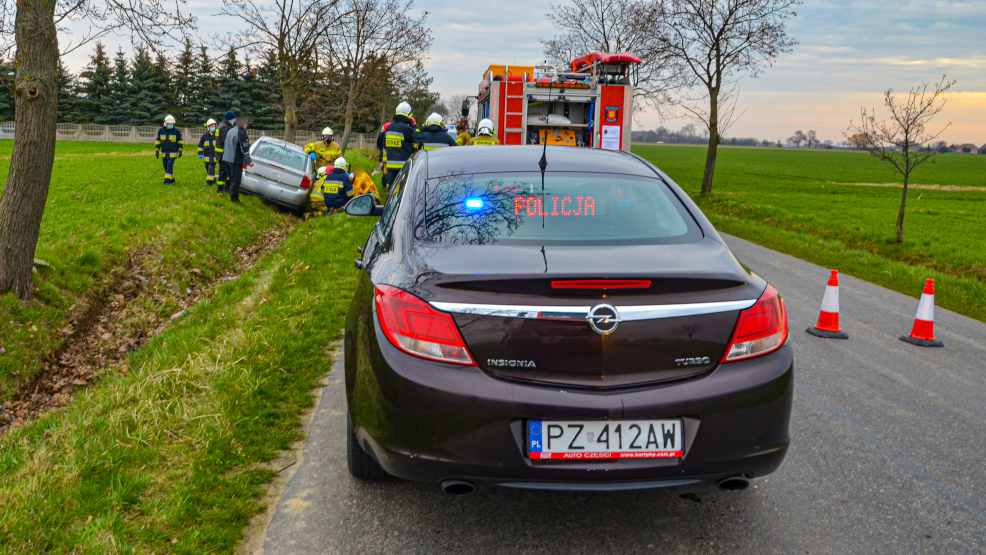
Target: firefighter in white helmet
484, 134
169, 145
433, 135
207, 152
325, 151
397, 141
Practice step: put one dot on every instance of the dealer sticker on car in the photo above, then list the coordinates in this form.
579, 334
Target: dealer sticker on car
610, 439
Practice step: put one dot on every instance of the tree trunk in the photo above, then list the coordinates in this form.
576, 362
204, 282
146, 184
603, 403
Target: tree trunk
710, 155
290, 96
900, 214
350, 108
36, 101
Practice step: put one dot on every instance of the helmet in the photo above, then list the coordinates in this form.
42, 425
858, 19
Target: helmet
434, 119
327, 131
169, 119
404, 109
342, 163
322, 171
485, 127
208, 123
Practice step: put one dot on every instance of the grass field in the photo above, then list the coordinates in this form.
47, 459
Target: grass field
107, 214
163, 451
789, 200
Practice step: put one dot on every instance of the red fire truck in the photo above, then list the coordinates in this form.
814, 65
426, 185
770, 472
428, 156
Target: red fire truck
589, 104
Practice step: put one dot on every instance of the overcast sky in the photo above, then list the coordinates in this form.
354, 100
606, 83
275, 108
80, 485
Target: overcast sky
849, 52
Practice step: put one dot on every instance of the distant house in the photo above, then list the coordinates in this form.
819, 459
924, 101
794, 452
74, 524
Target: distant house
967, 148
982, 149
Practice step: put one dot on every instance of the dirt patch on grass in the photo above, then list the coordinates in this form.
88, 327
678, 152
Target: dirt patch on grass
913, 186
116, 319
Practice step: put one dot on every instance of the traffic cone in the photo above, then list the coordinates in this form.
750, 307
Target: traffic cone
828, 318
923, 332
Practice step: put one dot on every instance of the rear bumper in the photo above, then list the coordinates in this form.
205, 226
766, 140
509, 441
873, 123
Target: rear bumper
430, 422
278, 193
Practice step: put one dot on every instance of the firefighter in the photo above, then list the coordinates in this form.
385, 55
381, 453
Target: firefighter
433, 135
463, 137
316, 199
207, 152
382, 154
236, 153
484, 134
170, 144
325, 151
229, 122
398, 141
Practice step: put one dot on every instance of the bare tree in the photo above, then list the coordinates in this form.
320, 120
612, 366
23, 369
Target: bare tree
616, 26
297, 30
898, 140
452, 107
718, 41
373, 33
798, 138
31, 28
812, 138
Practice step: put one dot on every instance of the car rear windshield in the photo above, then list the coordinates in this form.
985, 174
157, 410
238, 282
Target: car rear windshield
570, 208
281, 155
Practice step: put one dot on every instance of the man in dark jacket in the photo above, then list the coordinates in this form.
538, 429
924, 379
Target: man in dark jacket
207, 151
169, 144
433, 135
229, 122
236, 154
398, 141
336, 187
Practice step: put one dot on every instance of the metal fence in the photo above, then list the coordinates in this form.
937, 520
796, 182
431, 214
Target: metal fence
130, 134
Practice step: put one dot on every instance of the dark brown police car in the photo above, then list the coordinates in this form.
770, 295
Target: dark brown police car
574, 325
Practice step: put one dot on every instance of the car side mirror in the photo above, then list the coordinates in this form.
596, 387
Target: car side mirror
363, 205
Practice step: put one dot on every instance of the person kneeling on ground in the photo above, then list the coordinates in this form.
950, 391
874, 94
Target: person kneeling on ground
316, 199
334, 190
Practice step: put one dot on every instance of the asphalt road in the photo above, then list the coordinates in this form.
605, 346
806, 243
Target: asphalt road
888, 450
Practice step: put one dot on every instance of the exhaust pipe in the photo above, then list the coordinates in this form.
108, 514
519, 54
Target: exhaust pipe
458, 488
734, 483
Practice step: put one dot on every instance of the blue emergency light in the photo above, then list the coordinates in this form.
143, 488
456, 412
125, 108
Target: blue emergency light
474, 203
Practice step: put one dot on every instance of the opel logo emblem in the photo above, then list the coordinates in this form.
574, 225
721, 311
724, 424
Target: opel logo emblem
603, 319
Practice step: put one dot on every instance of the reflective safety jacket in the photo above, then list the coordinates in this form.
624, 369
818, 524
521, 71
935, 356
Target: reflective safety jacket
169, 141
334, 188
481, 140
463, 138
207, 147
221, 131
433, 136
398, 142
325, 154
363, 184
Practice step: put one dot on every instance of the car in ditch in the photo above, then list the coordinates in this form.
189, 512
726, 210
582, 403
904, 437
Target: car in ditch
558, 318
281, 174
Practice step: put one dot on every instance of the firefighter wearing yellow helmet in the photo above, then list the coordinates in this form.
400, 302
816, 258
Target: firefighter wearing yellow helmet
433, 135
169, 146
207, 152
324, 152
484, 134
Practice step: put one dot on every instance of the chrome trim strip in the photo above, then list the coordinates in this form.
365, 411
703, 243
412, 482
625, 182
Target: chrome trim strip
627, 313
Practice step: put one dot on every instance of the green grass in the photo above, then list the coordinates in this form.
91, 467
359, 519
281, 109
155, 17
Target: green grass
163, 458
104, 211
786, 199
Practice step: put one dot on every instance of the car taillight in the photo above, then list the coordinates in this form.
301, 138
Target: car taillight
305, 182
416, 328
760, 329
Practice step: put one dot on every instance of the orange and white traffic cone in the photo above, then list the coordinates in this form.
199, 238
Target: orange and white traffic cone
828, 318
923, 332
